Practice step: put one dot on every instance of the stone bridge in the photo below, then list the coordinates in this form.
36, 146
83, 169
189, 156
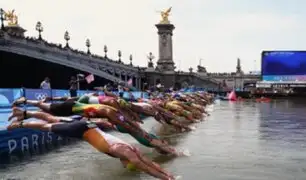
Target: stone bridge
181, 79
235, 80
12, 40
66, 56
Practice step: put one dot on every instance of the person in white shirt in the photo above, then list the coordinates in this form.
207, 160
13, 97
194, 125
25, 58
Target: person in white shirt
45, 84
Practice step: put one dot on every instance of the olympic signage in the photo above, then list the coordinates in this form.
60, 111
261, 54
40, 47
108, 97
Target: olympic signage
23, 142
37, 94
7, 96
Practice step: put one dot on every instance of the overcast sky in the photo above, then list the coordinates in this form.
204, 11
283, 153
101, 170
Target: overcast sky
218, 31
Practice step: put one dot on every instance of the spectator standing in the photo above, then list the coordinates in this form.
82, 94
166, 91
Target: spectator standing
45, 84
73, 83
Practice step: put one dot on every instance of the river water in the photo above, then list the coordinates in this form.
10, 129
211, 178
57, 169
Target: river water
239, 141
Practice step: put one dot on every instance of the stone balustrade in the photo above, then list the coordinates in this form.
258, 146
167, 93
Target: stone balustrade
55, 53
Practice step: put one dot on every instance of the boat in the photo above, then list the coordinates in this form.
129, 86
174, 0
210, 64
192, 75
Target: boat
232, 96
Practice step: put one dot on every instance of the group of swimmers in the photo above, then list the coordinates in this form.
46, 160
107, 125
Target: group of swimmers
88, 116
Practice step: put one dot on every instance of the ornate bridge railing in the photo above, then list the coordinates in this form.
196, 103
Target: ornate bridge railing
98, 66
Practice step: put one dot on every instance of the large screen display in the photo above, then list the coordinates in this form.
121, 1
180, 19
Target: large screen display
284, 66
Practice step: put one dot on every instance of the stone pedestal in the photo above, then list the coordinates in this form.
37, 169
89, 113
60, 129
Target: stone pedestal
201, 71
15, 30
150, 64
150, 69
165, 62
168, 80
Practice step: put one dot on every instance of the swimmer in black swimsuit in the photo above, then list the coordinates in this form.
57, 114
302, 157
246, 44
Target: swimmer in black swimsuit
171, 119
160, 114
89, 131
71, 107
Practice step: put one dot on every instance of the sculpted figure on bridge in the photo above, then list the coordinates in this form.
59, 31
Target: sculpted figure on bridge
11, 18
165, 14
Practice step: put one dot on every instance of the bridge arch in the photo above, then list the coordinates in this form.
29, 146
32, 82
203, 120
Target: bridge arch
58, 60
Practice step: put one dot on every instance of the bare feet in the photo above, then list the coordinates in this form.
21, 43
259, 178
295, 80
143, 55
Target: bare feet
17, 113
13, 125
19, 101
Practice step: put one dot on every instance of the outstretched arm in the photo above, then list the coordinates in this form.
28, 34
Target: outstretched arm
133, 114
103, 124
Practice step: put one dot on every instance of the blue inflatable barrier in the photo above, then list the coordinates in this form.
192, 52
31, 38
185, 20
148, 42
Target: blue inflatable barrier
197, 89
37, 94
20, 143
7, 96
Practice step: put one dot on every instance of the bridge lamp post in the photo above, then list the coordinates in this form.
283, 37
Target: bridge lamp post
131, 59
88, 44
67, 38
40, 29
150, 57
105, 51
2, 18
119, 55
200, 61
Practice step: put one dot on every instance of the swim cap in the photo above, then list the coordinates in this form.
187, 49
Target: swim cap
131, 167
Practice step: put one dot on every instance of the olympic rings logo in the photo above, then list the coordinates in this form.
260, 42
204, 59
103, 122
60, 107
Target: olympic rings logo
40, 96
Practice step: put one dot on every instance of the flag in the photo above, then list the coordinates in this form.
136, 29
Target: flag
90, 78
130, 82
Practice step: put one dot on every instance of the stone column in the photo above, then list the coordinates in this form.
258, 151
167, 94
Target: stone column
165, 61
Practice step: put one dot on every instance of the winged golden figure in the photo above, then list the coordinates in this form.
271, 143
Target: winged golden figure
165, 14
11, 18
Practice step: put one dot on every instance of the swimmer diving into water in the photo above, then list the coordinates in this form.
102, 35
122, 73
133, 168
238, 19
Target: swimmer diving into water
71, 107
89, 131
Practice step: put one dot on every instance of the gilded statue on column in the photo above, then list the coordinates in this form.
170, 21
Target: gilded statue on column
164, 15
11, 18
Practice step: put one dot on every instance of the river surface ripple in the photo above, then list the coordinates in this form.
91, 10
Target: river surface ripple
239, 141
